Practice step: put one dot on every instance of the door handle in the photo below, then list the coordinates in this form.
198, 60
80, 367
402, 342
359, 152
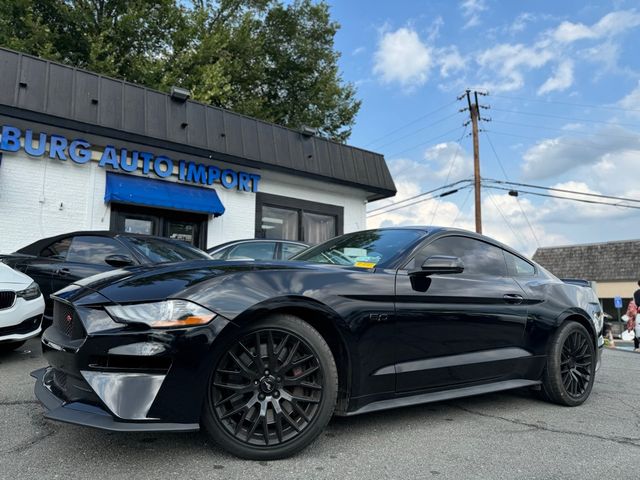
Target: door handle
513, 298
64, 272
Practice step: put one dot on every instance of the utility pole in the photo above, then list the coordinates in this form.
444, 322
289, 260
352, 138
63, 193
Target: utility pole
474, 112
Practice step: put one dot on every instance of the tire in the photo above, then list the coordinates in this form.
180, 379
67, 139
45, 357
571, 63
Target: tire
272, 405
9, 346
571, 362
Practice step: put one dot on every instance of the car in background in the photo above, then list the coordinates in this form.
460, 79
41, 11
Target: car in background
261, 250
21, 308
56, 262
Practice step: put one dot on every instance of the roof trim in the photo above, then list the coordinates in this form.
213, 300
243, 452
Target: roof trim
52, 93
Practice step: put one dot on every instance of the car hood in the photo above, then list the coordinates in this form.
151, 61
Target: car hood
159, 282
9, 276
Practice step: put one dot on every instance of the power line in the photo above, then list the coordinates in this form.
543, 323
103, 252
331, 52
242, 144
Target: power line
564, 190
562, 117
453, 161
451, 192
464, 204
413, 132
418, 195
586, 105
568, 132
506, 221
583, 200
414, 121
524, 214
425, 142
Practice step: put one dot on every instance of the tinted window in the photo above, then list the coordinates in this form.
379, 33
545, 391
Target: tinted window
94, 250
253, 250
479, 258
318, 228
279, 223
290, 249
519, 267
363, 249
58, 249
161, 251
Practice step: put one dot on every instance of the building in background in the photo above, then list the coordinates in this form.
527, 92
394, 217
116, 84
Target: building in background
80, 151
614, 266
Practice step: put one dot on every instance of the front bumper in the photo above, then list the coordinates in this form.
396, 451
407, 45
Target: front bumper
121, 378
22, 320
85, 414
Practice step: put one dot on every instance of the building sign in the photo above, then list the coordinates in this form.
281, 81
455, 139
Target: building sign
120, 159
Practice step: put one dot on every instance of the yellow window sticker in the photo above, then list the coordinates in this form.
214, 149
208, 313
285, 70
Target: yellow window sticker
364, 264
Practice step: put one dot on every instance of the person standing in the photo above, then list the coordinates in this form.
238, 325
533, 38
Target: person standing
636, 300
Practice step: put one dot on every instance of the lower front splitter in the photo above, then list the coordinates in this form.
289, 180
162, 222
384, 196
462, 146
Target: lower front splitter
87, 415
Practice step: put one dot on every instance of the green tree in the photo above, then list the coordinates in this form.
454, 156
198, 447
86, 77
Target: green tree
263, 58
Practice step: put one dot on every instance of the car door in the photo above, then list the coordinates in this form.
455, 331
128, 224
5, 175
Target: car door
454, 329
86, 257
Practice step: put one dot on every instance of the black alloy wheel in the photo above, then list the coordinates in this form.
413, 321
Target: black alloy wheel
271, 389
571, 362
576, 364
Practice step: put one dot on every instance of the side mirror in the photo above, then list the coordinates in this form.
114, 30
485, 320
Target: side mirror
440, 264
118, 261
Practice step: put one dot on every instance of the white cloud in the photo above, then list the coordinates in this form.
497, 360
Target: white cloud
561, 80
449, 60
632, 99
520, 22
471, 10
402, 57
358, 51
614, 23
506, 63
557, 156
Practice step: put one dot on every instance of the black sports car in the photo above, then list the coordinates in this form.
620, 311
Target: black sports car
262, 354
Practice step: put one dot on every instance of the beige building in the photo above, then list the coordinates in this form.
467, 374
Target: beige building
614, 266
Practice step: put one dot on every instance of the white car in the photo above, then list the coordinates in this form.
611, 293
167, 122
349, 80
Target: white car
21, 308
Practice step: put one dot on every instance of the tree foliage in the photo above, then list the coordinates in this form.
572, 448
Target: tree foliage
264, 58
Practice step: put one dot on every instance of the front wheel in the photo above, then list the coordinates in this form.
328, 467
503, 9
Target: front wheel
272, 391
571, 366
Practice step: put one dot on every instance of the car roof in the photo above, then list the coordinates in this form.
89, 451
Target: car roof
37, 246
253, 240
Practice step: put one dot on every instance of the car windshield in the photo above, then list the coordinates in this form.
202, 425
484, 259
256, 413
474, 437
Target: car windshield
160, 251
362, 249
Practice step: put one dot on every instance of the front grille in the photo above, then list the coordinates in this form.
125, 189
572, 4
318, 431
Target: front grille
60, 379
23, 328
66, 320
7, 299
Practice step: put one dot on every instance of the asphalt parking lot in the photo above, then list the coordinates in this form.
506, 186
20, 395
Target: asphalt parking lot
500, 436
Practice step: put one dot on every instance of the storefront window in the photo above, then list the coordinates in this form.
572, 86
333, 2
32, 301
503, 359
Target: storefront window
284, 218
318, 228
138, 226
279, 223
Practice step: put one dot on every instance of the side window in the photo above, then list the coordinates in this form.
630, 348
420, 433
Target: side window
254, 250
58, 249
94, 250
519, 267
290, 249
478, 257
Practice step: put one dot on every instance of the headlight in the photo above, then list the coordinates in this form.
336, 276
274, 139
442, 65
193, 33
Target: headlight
30, 293
170, 313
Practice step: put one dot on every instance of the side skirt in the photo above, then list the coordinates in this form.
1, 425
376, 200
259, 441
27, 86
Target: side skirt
443, 395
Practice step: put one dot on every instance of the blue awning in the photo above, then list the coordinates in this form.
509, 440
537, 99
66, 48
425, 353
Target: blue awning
162, 194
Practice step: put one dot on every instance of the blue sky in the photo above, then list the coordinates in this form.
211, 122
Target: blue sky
564, 90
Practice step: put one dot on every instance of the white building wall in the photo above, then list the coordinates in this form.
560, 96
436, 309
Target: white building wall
40, 197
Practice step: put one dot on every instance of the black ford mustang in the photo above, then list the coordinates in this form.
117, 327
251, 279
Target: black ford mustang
263, 354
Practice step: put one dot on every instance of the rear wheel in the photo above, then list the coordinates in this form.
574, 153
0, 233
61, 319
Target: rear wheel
571, 364
272, 391
9, 346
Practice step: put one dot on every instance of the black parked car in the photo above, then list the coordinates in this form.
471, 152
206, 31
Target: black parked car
257, 250
55, 262
262, 354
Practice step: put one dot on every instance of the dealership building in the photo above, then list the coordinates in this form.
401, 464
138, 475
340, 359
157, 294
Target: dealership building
80, 151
